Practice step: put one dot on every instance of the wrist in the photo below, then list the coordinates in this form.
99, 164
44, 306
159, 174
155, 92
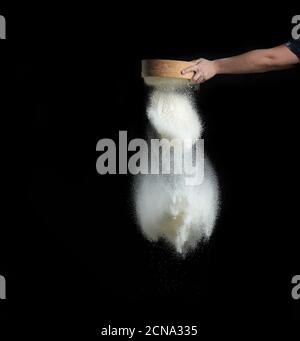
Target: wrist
216, 66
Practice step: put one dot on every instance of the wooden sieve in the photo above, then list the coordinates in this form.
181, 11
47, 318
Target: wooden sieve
165, 68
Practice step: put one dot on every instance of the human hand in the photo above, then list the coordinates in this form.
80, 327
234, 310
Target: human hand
203, 70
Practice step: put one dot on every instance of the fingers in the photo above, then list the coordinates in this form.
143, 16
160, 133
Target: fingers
192, 68
198, 77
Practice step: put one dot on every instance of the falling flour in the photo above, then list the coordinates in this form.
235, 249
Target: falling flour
166, 207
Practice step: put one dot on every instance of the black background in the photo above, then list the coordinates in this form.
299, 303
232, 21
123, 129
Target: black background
71, 252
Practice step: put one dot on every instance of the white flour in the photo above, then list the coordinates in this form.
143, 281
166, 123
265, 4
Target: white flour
166, 207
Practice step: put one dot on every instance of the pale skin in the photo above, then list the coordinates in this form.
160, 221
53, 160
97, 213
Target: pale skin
256, 61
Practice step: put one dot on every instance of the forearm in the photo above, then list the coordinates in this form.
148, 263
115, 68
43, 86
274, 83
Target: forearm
276, 58
255, 61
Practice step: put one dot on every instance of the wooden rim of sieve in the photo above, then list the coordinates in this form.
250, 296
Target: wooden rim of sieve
165, 68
